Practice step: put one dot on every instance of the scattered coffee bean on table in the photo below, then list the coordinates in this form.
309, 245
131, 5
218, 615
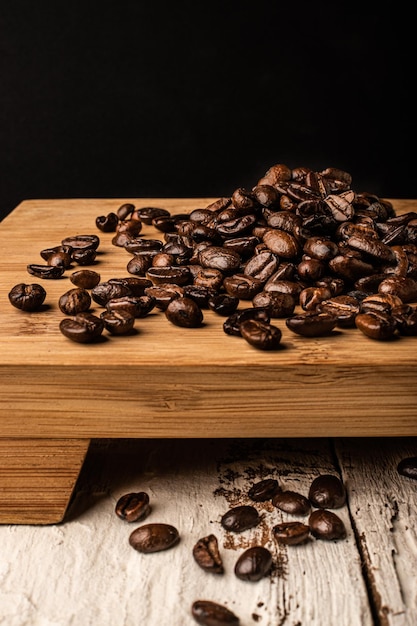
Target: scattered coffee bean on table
327, 492
253, 564
209, 613
326, 525
240, 518
133, 506
154, 537
207, 556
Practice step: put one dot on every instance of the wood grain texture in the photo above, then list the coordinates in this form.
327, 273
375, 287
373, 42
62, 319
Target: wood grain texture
95, 577
175, 382
37, 478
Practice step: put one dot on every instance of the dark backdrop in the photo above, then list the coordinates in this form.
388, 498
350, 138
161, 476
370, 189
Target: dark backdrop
136, 99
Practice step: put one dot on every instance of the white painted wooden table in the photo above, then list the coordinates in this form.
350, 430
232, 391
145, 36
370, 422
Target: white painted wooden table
83, 572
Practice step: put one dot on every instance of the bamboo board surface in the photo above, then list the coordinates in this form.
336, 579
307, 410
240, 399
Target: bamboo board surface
85, 573
173, 382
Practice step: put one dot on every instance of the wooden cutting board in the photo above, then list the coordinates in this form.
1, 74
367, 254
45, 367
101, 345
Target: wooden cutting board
166, 381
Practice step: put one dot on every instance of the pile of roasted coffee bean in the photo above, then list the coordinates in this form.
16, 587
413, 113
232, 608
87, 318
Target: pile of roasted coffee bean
300, 245
326, 492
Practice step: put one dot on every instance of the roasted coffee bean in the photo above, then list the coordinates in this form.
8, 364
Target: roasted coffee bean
27, 297
208, 613
282, 285
149, 213
200, 294
154, 537
326, 525
253, 564
210, 278
320, 248
291, 533
118, 322
232, 324
402, 286
223, 304
406, 319
136, 284
311, 270
138, 306
82, 242
380, 326
82, 328
178, 275
138, 245
46, 271
225, 260
262, 266
264, 490
261, 335
133, 506
244, 246
311, 324
139, 264
105, 291
125, 210
84, 256
311, 297
107, 223
163, 294
343, 307
207, 556
184, 312
408, 467
242, 286
283, 244
277, 304
60, 256
85, 279
292, 502
74, 301
327, 491
240, 518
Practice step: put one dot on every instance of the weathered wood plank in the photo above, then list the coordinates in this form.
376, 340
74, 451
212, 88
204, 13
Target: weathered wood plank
383, 506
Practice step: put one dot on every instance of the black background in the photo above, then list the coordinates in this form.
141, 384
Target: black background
140, 99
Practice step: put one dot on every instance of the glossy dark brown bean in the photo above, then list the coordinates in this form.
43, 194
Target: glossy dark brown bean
232, 324
162, 275
402, 286
380, 326
264, 490
343, 307
209, 613
292, 502
223, 304
47, 272
240, 518
282, 243
242, 286
147, 214
74, 301
118, 322
217, 257
133, 506
253, 564
82, 328
105, 291
107, 223
154, 537
261, 335
311, 324
326, 525
136, 306
184, 312
408, 467
291, 533
406, 319
78, 242
27, 297
327, 491
207, 556
86, 279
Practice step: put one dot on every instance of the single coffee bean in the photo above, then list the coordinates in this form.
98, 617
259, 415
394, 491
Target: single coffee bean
264, 490
27, 297
163, 294
311, 324
240, 518
232, 324
327, 491
118, 322
208, 613
408, 467
82, 328
378, 326
292, 502
105, 291
178, 275
138, 306
242, 286
134, 506
291, 533
107, 223
225, 260
46, 271
253, 564
184, 312
326, 525
154, 537
279, 305
135, 284
125, 210
207, 556
78, 242
223, 304
85, 279
406, 319
261, 335
74, 301
84, 256
148, 213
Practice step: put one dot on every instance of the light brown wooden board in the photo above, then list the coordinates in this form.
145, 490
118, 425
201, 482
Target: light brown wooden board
167, 381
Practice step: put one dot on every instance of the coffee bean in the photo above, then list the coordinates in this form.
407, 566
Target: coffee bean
154, 537
253, 564
327, 491
223, 304
86, 279
292, 502
311, 324
118, 322
134, 506
378, 326
82, 328
232, 325
107, 223
184, 312
264, 490
74, 301
207, 556
408, 467
27, 297
208, 613
240, 518
261, 335
48, 272
326, 525
291, 533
